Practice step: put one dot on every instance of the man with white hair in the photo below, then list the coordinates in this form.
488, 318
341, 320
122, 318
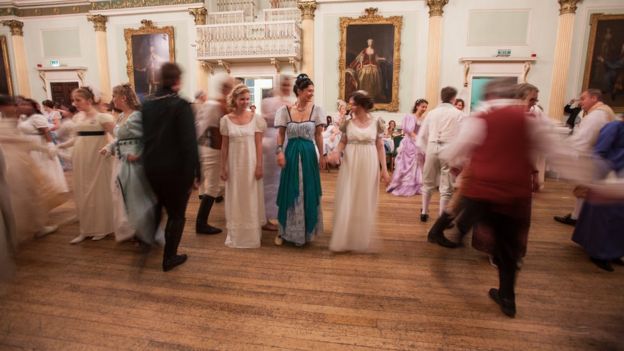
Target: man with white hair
209, 141
596, 115
200, 98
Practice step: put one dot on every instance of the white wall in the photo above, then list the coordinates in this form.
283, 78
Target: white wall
542, 31
33, 44
543, 17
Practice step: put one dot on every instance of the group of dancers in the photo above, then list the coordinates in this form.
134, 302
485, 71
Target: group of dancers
266, 169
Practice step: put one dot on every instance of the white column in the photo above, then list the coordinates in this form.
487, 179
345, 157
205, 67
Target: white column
432, 80
561, 62
307, 8
199, 15
101, 50
19, 56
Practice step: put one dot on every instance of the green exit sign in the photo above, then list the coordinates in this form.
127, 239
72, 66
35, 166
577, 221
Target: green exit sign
504, 52
55, 63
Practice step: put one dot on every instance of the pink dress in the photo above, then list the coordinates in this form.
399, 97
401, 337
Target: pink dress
408, 165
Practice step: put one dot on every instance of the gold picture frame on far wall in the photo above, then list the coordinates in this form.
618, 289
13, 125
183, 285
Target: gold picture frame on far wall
147, 48
604, 66
6, 84
370, 59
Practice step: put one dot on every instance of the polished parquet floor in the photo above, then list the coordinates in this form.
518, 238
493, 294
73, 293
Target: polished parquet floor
411, 296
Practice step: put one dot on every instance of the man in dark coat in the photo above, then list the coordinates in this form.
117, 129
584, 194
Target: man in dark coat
170, 156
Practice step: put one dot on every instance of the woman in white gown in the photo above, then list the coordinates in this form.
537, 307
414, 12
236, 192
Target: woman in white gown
92, 173
358, 181
32, 195
241, 169
35, 127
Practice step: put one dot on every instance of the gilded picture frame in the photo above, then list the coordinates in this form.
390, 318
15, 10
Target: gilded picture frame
370, 48
604, 65
147, 48
6, 85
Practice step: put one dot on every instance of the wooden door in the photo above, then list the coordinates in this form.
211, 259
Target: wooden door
61, 92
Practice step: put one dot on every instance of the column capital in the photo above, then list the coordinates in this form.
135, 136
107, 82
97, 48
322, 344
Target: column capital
307, 8
567, 6
436, 7
99, 22
199, 13
17, 27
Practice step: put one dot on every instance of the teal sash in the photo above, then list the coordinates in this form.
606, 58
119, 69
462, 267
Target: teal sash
304, 150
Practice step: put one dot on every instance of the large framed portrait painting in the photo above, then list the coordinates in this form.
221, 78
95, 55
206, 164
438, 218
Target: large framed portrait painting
6, 86
604, 68
370, 57
147, 48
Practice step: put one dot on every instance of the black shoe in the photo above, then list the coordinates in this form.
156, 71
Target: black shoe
567, 219
604, 264
506, 306
424, 217
206, 229
219, 199
173, 262
441, 240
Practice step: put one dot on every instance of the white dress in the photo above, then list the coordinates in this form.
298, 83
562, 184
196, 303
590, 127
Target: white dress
92, 176
51, 167
244, 194
356, 189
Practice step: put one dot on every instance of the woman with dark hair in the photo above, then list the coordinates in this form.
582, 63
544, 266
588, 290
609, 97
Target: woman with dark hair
358, 180
299, 194
407, 176
133, 199
92, 174
460, 104
35, 127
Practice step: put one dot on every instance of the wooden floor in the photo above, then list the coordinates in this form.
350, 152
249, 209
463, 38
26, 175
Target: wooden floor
411, 296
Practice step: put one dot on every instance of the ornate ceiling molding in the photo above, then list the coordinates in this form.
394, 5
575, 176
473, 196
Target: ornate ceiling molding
20, 11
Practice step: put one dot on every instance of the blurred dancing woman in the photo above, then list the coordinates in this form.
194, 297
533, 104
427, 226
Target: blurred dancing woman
241, 169
358, 182
299, 195
408, 165
271, 176
92, 174
32, 195
35, 127
134, 200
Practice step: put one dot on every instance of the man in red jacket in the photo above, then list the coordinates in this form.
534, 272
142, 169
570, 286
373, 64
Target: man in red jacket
499, 142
